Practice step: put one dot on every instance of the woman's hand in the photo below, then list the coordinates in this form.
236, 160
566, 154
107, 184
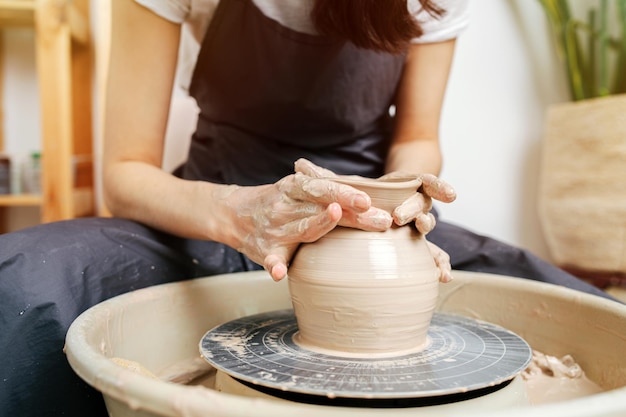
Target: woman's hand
417, 207
272, 220
442, 260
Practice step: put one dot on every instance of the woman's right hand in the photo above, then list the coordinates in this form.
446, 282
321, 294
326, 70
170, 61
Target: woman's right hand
267, 223
272, 220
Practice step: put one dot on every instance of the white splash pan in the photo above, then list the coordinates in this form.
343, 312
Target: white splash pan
162, 325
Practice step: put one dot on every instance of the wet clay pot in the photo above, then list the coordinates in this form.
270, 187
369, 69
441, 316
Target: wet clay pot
366, 293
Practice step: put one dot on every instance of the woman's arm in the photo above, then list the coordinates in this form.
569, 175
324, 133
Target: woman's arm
415, 145
144, 51
267, 223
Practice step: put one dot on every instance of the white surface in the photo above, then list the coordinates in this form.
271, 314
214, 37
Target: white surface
503, 78
20, 106
21, 113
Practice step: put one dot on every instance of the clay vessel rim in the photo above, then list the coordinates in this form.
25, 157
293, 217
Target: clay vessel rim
407, 181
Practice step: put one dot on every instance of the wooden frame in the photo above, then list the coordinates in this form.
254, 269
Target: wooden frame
64, 68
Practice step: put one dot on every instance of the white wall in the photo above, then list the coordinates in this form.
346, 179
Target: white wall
21, 110
504, 76
21, 118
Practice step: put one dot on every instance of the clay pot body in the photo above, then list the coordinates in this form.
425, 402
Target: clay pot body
373, 293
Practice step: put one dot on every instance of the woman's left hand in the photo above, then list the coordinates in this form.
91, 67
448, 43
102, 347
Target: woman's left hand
417, 207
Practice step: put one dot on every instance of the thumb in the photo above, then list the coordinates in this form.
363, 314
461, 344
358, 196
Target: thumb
276, 264
306, 167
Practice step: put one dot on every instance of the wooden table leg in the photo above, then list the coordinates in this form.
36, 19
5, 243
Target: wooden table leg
3, 220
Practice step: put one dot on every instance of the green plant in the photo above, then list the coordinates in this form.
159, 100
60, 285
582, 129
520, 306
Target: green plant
593, 51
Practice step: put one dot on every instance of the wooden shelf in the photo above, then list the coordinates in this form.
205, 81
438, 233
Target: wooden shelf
64, 71
24, 13
17, 200
82, 198
17, 12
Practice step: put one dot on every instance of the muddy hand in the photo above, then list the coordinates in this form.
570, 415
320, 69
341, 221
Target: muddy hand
442, 260
417, 207
272, 220
373, 219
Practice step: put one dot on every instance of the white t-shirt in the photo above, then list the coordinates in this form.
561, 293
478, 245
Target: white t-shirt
195, 15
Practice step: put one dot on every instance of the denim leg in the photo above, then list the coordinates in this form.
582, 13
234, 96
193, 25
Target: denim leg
51, 273
472, 252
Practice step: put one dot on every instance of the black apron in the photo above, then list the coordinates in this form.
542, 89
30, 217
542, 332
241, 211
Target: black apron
269, 95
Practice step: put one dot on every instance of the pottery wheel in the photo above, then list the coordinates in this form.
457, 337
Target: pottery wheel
463, 355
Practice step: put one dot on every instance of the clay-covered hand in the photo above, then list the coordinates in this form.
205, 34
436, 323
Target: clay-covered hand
442, 260
417, 208
272, 220
350, 218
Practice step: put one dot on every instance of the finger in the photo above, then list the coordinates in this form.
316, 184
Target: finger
425, 222
437, 188
289, 210
373, 220
276, 264
310, 228
307, 167
445, 271
411, 208
442, 261
324, 191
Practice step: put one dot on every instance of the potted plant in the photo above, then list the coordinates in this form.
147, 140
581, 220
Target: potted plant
582, 190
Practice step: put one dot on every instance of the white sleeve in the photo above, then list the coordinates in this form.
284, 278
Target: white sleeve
448, 26
173, 10
194, 16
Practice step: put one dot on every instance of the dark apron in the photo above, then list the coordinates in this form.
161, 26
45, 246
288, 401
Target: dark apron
269, 95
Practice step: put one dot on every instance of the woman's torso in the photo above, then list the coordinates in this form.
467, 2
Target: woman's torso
271, 90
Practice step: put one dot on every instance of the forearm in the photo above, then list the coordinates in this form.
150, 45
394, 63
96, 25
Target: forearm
415, 144
418, 156
193, 209
144, 51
